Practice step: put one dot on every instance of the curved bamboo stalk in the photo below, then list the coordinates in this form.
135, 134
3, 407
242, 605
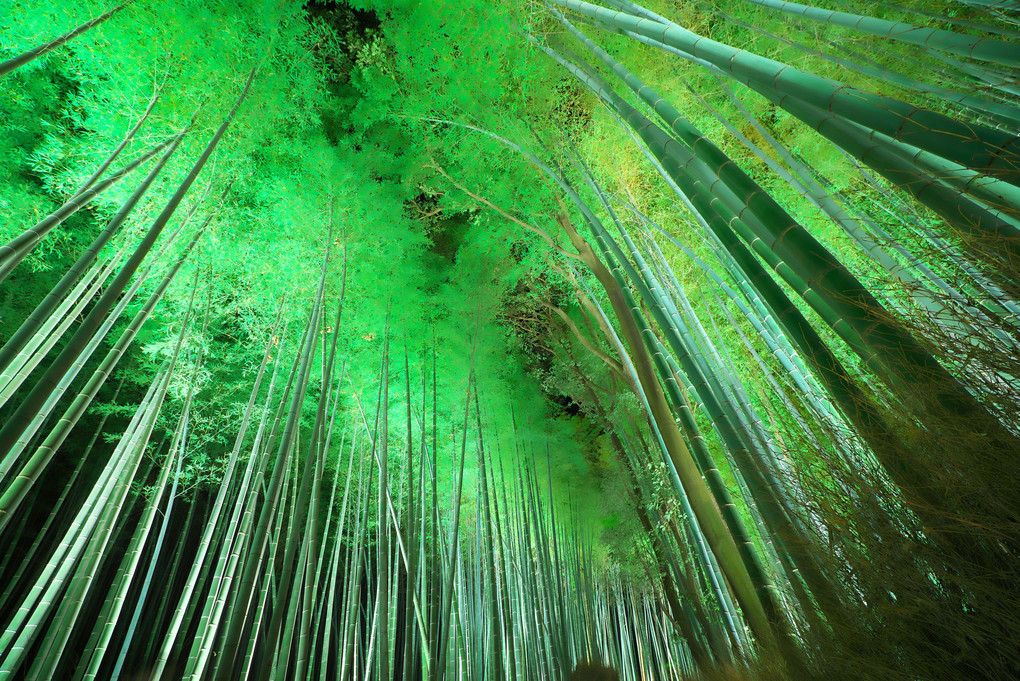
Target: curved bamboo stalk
975, 47
25, 57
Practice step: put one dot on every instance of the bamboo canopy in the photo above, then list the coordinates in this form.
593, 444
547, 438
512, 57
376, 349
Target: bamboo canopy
510, 340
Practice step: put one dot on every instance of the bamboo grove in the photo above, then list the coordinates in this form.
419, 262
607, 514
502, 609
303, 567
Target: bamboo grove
514, 340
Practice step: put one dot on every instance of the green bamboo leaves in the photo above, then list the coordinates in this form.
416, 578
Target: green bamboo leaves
744, 406
24, 58
974, 146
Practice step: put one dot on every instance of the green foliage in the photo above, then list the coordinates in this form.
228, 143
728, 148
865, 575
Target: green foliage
358, 150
